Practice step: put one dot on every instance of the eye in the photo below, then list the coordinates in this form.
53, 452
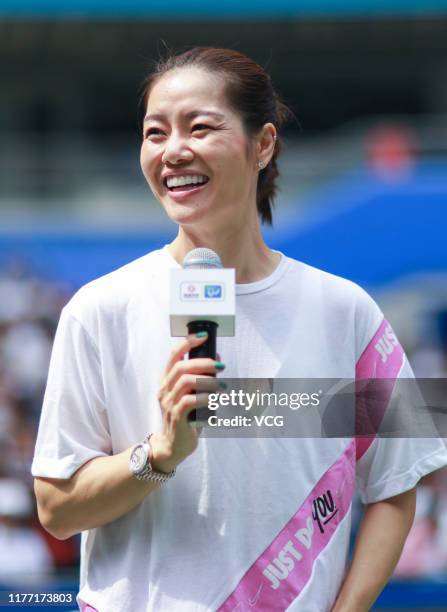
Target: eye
201, 127
153, 132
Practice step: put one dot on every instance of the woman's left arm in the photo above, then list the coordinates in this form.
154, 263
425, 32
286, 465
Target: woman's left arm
379, 544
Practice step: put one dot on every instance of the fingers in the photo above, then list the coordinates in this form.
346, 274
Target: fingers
190, 383
176, 356
188, 403
185, 388
202, 366
184, 347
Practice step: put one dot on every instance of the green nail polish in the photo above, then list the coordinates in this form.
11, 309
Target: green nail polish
219, 365
201, 334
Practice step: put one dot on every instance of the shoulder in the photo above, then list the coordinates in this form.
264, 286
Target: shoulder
339, 289
343, 302
113, 292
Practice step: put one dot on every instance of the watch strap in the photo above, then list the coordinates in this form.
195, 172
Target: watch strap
148, 473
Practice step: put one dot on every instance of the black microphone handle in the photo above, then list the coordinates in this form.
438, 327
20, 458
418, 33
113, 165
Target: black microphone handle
208, 348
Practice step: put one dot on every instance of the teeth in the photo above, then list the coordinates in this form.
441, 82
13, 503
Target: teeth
179, 181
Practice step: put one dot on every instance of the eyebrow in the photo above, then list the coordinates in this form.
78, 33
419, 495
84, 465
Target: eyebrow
190, 115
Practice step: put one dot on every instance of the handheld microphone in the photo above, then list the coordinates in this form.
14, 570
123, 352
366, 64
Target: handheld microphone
203, 259
203, 298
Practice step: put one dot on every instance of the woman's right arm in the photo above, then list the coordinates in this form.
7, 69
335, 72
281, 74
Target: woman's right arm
104, 489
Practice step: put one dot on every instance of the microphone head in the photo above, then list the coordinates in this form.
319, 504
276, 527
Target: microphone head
202, 258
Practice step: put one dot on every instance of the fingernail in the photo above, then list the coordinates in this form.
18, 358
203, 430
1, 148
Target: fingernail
222, 384
219, 365
201, 334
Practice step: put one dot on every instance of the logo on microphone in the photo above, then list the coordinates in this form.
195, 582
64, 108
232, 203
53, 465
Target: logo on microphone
213, 292
201, 292
190, 291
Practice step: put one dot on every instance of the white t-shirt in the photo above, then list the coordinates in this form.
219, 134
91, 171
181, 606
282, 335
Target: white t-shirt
259, 523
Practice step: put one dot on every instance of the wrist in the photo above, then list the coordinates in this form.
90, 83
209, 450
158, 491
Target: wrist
161, 459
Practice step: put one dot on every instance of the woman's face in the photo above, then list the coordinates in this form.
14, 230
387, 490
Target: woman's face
195, 154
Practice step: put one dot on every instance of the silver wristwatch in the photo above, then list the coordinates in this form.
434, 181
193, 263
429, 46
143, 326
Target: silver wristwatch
140, 463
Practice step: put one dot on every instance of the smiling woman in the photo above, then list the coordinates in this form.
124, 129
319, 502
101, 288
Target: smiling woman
213, 146
209, 152
244, 523
227, 96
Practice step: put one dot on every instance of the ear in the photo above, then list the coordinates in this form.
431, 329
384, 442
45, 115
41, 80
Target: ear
265, 144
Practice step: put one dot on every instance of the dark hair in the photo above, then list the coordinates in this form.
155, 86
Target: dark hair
249, 91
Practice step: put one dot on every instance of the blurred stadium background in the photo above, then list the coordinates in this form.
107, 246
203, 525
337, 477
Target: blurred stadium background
364, 195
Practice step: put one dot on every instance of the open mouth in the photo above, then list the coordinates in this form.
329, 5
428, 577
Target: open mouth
185, 183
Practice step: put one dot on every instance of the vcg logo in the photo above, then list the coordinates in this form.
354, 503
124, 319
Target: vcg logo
213, 292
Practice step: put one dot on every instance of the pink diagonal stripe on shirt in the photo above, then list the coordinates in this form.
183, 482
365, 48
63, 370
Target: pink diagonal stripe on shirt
279, 575
382, 359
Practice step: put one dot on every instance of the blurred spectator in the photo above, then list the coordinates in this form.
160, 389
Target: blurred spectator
390, 152
425, 551
26, 350
429, 359
29, 311
23, 551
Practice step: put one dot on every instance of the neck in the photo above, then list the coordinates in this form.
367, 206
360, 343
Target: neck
242, 248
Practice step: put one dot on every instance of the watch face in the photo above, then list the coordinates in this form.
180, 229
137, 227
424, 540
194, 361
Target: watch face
138, 458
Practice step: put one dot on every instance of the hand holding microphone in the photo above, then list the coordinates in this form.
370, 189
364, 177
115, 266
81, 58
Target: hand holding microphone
178, 397
202, 307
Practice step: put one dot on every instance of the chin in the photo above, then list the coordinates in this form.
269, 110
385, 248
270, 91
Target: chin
186, 214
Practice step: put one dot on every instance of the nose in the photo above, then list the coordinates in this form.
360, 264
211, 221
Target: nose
176, 150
